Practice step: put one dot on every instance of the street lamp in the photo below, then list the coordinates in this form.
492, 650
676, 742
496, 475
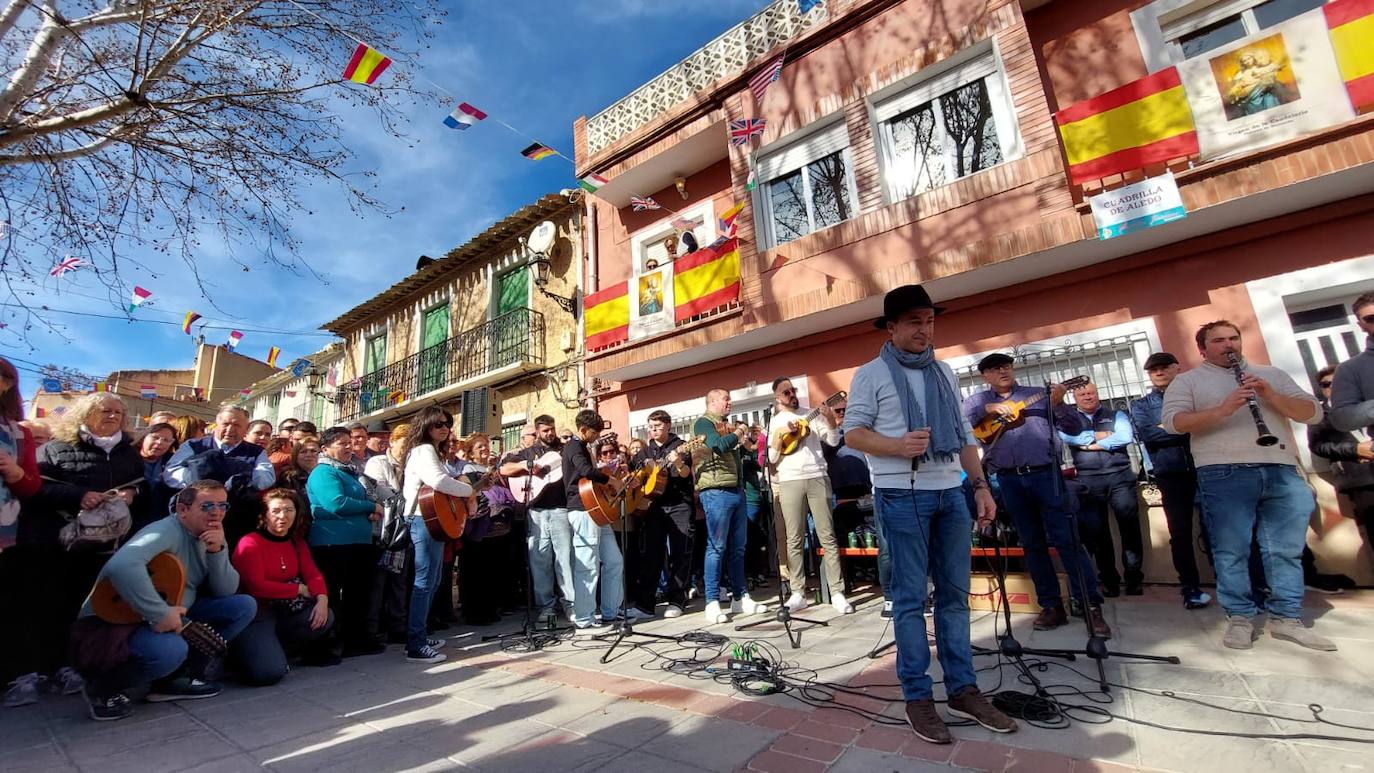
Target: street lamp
539, 264
313, 379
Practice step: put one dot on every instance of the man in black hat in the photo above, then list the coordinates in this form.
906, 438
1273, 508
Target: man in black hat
1172, 466
1026, 458
903, 413
378, 439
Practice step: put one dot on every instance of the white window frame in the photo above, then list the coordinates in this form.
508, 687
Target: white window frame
659, 230
824, 138
751, 397
976, 63
1159, 25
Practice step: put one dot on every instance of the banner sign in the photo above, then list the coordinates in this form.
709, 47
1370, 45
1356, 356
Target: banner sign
651, 302
1272, 86
1137, 206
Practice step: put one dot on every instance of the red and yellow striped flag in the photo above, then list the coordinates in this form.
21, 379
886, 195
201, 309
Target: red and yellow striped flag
1352, 39
606, 316
705, 279
1143, 122
366, 65
272, 354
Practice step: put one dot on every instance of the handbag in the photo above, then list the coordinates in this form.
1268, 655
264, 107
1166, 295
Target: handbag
393, 532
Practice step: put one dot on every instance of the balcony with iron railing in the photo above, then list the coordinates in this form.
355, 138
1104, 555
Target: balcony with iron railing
726, 56
510, 343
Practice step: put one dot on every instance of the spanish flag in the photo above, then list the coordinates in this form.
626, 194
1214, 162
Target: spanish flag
706, 279
272, 354
1145, 121
1352, 38
366, 65
606, 316
190, 320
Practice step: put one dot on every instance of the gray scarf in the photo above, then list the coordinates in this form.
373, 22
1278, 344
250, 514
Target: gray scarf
944, 420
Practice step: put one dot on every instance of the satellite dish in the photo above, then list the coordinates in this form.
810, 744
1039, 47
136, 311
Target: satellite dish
541, 238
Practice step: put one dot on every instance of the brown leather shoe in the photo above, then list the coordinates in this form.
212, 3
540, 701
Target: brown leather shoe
1051, 617
968, 703
926, 722
1100, 627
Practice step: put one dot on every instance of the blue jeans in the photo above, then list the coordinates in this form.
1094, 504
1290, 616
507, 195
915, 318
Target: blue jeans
928, 533
156, 655
595, 556
1042, 522
884, 553
727, 529
1271, 504
548, 539
429, 568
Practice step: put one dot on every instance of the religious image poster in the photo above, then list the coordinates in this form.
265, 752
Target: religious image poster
1272, 86
651, 302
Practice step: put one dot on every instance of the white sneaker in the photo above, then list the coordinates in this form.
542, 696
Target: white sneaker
886, 614
67, 681
797, 603
747, 606
841, 604
713, 614
673, 610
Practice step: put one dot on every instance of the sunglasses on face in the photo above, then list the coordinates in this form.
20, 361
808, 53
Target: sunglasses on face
788, 392
1326, 383
210, 507
1368, 319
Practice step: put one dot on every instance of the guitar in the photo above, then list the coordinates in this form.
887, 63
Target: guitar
169, 580
653, 477
553, 462
792, 440
991, 426
446, 515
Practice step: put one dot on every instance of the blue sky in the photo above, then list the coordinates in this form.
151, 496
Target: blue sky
537, 65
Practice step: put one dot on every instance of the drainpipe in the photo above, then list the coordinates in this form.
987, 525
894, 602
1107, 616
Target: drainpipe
592, 257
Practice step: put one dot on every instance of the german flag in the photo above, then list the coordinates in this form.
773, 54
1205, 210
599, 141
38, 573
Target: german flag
538, 152
705, 279
1352, 38
366, 65
1143, 122
606, 316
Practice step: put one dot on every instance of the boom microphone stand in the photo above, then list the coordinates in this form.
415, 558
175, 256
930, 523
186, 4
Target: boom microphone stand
624, 627
1096, 647
784, 615
530, 636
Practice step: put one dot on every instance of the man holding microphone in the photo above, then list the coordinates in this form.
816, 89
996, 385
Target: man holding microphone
904, 414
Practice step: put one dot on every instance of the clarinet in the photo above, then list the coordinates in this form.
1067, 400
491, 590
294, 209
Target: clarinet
1266, 438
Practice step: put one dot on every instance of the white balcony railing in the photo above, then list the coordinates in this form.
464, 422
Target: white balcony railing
723, 57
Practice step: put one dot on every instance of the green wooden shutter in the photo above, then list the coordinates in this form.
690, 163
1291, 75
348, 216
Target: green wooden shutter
513, 291
375, 358
433, 352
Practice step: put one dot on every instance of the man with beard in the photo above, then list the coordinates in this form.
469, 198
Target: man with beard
549, 532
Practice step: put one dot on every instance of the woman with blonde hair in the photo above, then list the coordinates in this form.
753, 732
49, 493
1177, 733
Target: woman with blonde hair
188, 428
91, 459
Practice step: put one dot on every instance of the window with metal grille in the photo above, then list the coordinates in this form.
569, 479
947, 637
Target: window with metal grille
474, 417
510, 436
1326, 335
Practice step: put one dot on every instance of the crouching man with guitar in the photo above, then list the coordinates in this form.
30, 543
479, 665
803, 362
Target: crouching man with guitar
1013, 424
668, 523
155, 621
536, 478
595, 552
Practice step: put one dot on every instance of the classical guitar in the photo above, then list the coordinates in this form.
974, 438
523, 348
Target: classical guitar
169, 580
653, 477
552, 464
601, 503
446, 515
792, 439
991, 426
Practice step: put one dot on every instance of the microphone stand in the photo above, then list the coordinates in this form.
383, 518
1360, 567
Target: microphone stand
624, 627
530, 636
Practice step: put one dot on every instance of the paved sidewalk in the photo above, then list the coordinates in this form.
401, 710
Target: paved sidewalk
561, 710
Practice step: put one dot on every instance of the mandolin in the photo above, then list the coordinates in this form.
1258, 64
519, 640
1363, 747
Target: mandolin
169, 580
991, 426
653, 477
792, 440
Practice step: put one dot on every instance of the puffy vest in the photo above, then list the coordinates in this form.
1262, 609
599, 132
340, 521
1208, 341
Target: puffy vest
1073, 422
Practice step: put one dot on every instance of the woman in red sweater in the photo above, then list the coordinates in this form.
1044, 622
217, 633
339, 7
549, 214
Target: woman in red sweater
275, 567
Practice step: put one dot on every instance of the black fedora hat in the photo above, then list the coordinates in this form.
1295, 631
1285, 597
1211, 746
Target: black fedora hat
903, 299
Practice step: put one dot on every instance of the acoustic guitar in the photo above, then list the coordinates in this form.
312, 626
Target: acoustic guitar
446, 515
601, 503
993, 425
552, 462
169, 580
792, 440
653, 477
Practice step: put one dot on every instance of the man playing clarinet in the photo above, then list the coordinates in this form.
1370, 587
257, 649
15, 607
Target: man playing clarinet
1250, 490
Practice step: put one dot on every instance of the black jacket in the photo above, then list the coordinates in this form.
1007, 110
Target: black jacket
69, 471
577, 464
1341, 449
680, 490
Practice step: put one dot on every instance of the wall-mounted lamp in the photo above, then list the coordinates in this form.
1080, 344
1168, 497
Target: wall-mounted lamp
681, 183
